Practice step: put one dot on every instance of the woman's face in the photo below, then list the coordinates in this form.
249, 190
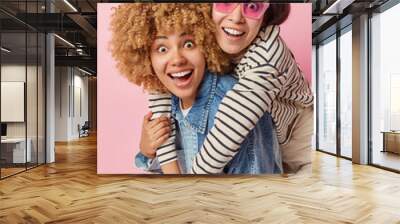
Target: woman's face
235, 32
179, 64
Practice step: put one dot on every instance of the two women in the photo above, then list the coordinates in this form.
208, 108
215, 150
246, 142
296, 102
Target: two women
269, 82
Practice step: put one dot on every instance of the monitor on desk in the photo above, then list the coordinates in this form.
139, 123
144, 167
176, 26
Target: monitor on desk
3, 130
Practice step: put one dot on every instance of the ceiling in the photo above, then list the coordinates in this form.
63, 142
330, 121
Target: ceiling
76, 22
332, 15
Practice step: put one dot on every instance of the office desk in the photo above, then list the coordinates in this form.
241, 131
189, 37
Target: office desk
391, 141
15, 148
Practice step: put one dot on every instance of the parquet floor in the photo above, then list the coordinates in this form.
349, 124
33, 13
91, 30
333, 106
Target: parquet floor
70, 191
9, 171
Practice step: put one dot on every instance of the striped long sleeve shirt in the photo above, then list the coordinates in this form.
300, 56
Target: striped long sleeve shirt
269, 80
160, 105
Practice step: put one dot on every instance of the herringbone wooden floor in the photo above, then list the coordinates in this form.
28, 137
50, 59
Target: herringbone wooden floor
70, 191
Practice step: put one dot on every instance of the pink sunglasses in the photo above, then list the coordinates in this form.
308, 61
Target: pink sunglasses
251, 10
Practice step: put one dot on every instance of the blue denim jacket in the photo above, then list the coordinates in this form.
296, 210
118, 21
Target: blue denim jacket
259, 153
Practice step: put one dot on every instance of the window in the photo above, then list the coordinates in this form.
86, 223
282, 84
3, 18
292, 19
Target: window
346, 93
327, 96
385, 87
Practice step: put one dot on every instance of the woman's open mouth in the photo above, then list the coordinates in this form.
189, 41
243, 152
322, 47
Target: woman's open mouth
181, 79
233, 32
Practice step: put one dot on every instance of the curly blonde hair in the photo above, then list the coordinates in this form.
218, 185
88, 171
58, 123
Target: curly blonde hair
134, 27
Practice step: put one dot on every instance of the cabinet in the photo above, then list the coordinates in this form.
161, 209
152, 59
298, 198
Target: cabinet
391, 141
13, 150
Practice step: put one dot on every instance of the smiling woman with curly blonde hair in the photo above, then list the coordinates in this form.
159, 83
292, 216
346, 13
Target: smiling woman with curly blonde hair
134, 27
137, 31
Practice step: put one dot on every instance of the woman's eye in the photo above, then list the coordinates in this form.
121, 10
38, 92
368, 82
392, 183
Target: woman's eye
162, 49
188, 44
252, 6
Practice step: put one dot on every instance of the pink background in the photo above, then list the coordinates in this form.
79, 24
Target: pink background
122, 105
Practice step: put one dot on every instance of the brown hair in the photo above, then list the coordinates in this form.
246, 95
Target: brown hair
276, 14
135, 25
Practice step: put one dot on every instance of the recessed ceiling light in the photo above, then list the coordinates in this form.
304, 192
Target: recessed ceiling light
337, 7
64, 40
70, 5
84, 71
5, 50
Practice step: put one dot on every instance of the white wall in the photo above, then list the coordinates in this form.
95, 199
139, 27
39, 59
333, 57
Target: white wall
16, 73
71, 93
81, 102
33, 127
62, 81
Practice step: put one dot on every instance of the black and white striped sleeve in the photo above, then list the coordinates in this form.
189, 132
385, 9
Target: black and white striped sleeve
237, 115
160, 105
259, 84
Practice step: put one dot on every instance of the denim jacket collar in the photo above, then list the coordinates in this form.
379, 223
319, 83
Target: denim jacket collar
198, 114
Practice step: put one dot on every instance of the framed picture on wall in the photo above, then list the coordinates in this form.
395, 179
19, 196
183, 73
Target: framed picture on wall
12, 101
150, 54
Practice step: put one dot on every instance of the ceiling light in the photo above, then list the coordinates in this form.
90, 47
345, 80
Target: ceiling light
5, 50
84, 71
65, 41
337, 7
70, 5
331, 7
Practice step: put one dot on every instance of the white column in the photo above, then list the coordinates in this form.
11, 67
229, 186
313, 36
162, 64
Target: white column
360, 90
50, 92
50, 99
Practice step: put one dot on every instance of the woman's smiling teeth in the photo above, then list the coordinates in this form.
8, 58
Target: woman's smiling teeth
181, 74
232, 32
182, 79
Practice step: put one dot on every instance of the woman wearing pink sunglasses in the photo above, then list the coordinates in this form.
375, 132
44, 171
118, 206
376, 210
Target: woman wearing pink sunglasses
269, 80
239, 23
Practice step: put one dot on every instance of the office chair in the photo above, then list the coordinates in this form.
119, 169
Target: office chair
84, 130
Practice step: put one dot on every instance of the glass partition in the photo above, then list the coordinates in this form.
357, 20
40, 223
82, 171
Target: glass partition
31, 100
13, 105
41, 107
23, 91
327, 96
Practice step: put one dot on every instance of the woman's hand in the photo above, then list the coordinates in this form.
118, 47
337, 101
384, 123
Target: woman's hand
154, 134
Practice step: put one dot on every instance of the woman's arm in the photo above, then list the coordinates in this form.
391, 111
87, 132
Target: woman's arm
258, 85
160, 106
238, 113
